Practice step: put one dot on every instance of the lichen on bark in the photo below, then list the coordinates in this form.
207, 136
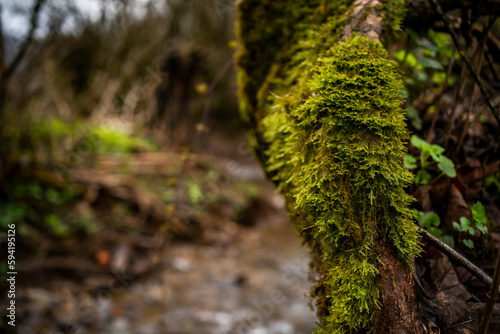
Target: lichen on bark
323, 104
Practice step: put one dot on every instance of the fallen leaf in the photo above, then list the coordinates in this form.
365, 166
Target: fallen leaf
472, 171
423, 197
451, 295
102, 257
457, 207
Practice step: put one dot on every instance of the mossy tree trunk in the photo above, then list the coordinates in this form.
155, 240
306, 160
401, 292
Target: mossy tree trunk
322, 102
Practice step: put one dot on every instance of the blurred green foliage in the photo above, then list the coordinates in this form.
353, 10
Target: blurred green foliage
435, 153
96, 89
425, 59
424, 62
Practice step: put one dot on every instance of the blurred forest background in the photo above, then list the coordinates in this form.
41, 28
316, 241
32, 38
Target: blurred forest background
121, 148
124, 167
119, 136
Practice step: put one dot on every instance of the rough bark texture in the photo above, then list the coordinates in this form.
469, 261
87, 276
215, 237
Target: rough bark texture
399, 311
321, 100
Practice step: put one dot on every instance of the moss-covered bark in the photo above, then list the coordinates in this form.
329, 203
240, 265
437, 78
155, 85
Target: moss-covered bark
322, 103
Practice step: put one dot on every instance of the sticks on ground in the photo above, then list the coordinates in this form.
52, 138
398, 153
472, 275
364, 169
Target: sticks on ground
455, 256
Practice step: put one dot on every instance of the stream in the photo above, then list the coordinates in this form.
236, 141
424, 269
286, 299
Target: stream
257, 284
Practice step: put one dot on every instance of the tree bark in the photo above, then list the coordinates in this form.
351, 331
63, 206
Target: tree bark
399, 312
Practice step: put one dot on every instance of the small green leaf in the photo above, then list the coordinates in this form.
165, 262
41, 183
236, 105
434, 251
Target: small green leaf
429, 219
481, 227
400, 55
465, 223
478, 213
413, 35
466, 226
11, 213
457, 227
439, 77
194, 191
430, 63
413, 115
58, 227
448, 239
425, 43
436, 152
447, 167
422, 76
419, 143
417, 214
469, 243
411, 60
435, 231
422, 177
410, 161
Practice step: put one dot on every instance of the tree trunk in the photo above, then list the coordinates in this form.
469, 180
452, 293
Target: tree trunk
321, 101
399, 311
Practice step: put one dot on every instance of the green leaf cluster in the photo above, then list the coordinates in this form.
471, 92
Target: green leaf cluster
479, 221
431, 222
109, 140
11, 213
427, 151
34, 201
425, 57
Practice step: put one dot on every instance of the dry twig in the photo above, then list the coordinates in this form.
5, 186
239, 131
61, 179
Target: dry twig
455, 256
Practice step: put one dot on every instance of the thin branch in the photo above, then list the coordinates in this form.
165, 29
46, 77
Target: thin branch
208, 94
308, 228
472, 101
466, 61
227, 66
2, 45
455, 256
459, 324
492, 298
35, 14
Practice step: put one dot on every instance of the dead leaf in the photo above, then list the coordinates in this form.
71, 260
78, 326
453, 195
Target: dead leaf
451, 295
472, 171
102, 257
457, 207
439, 192
423, 197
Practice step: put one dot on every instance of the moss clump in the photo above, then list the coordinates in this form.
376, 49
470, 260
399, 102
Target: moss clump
336, 149
330, 113
276, 38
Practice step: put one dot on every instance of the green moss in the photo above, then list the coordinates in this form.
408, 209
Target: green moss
393, 14
276, 37
330, 113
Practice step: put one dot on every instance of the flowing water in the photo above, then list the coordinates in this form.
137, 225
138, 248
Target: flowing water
257, 286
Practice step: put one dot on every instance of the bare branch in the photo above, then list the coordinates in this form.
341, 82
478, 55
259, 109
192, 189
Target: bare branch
2, 46
455, 256
35, 14
492, 298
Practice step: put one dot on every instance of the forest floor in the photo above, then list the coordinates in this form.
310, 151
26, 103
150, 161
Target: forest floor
186, 243
253, 280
